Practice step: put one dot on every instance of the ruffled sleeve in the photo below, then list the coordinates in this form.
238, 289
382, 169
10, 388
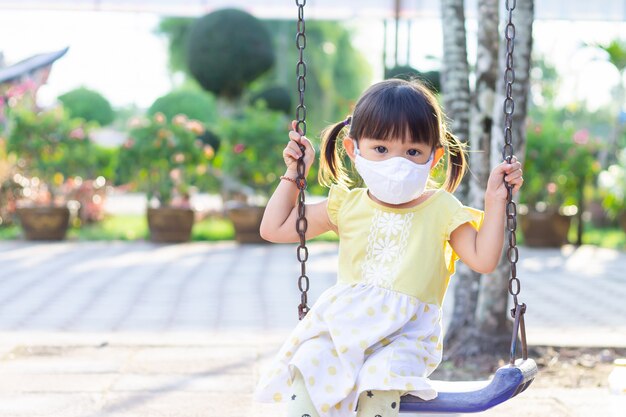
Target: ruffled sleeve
336, 197
461, 214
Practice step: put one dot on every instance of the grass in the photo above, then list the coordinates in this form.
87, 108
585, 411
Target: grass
215, 228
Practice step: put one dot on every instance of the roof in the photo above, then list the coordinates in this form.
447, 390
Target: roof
603, 10
30, 65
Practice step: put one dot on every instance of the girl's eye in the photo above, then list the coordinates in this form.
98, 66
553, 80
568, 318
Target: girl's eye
413, 152
380, 149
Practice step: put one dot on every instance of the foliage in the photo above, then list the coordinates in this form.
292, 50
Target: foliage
432, 79
176, 30
193, 104
52, 146
163, 155
252, 146
226, 50
559, 161
89, 105
612, 185
275, 97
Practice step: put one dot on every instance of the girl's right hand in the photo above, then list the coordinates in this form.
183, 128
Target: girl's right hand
292, 151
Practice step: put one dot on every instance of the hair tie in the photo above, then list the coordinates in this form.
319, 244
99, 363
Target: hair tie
347, 121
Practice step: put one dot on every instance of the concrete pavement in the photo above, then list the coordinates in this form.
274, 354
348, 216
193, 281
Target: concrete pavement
139, 329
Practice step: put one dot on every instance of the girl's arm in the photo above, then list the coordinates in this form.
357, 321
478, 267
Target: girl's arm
279, 219
481, 250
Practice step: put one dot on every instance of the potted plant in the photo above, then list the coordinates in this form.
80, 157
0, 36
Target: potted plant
50, 147
162, 157
251, 163
612, 186
560, 165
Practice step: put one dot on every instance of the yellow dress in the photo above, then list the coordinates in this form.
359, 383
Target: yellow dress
379, 326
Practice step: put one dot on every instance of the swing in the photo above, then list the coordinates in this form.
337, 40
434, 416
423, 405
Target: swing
453, 397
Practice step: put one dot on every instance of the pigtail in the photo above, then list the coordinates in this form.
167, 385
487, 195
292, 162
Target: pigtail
457, 162
331, 166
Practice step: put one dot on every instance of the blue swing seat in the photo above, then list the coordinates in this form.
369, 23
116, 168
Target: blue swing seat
475, 396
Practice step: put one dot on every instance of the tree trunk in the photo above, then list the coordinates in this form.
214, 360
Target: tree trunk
456, 102
492, 313
461, 330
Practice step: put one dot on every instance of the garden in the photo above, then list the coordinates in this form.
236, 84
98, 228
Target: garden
221, 132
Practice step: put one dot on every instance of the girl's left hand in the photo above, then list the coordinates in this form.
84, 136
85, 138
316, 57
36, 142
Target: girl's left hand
495, 185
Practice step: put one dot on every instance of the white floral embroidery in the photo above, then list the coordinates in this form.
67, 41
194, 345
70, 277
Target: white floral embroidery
391, 223
387, 242
385, 249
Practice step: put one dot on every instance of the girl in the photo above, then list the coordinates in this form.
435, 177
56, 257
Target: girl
376, 334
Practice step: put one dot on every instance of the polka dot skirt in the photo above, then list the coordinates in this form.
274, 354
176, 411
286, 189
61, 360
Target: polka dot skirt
357, 337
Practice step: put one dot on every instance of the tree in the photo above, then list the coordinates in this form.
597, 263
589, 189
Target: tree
492, 312
480, 323
228, 49
197, 105
456, 99
88, 105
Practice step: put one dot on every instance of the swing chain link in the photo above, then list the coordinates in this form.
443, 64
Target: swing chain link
301, 222
518, 310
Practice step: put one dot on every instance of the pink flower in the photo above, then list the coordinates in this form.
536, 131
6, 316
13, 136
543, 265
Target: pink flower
129, 143
134, 122
179, 120
538, 129
209, 152
175, 174
581, 137
159, 117
195, 126
239, 148
551, 187
77, 133
179, 158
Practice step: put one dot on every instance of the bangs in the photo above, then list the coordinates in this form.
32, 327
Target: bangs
396, 112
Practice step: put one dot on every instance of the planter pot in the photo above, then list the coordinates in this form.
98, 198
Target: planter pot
44, 223
545, 228
246, 220
170, 224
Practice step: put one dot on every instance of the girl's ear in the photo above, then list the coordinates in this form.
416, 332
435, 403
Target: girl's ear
439, 152
348, 145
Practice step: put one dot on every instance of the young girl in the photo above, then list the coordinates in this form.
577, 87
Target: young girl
376, 334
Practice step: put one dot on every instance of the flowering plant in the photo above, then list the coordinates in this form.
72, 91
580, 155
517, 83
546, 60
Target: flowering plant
163, 156
50, 146
252, 144
559, 161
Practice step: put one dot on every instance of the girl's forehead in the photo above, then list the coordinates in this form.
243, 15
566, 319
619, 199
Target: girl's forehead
399, 142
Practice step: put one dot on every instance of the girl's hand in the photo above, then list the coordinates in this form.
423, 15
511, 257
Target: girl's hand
292, 151
496, 190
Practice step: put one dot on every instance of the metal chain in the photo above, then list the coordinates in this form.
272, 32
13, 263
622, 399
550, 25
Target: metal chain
518, 310
301, 222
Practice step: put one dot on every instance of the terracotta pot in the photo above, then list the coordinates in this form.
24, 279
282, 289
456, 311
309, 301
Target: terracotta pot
170, 224
246, 220
44, 223
545, 228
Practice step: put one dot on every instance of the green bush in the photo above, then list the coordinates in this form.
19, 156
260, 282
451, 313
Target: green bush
89, 105
432, 79
276, 98
196, 105
252, 147
226, 50
560, 161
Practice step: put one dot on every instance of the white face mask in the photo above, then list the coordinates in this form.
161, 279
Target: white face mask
395, 180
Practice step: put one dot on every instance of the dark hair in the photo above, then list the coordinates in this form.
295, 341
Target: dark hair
393, 110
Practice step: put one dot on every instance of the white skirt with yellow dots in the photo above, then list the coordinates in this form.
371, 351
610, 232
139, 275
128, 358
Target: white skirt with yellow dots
357, 337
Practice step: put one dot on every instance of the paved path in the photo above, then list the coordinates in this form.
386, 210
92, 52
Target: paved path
138, 329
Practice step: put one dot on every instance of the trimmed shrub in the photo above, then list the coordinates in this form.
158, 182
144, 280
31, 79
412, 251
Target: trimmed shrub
432, 79
276, 98
226, 50
194, 104
88, 105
